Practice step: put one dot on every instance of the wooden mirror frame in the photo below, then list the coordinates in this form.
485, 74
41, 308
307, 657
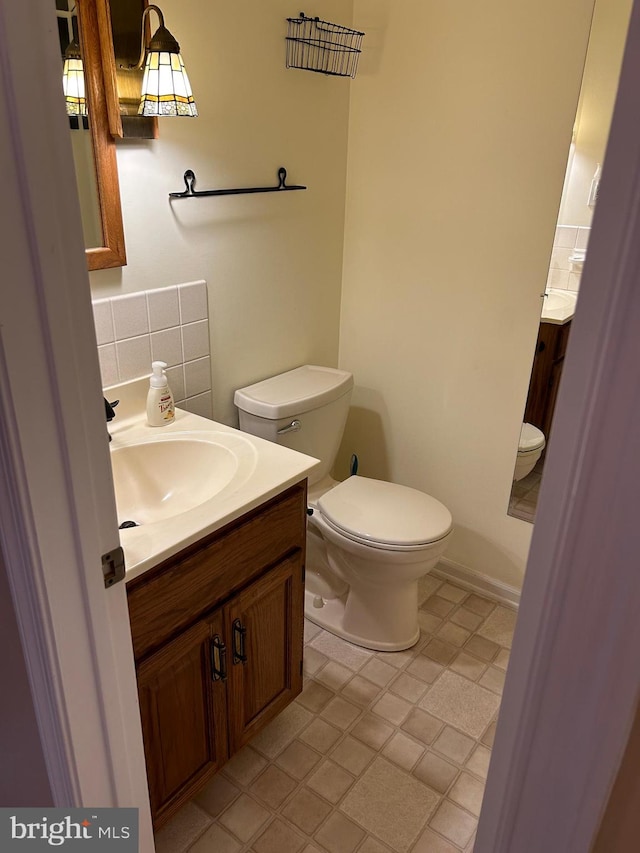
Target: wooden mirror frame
96, 45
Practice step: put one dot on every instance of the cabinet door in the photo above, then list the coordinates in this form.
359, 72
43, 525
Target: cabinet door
183, 714
546, 344
264, 627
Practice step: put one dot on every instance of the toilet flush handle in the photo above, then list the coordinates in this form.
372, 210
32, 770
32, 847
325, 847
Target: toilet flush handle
294, 426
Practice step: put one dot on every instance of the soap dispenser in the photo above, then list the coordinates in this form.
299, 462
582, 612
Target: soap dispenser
160, 407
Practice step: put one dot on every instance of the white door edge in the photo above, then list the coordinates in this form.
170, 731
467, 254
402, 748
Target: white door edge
57, 509
573, 681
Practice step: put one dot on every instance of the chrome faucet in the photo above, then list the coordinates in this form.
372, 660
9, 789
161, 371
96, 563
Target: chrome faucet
109, 413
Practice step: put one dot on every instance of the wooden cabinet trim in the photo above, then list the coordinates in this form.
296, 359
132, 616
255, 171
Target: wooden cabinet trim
201, 577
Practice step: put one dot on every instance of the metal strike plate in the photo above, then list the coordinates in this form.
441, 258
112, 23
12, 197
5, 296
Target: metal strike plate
113, 567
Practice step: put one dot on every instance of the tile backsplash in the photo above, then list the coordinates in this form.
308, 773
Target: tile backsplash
570, 242
168, 324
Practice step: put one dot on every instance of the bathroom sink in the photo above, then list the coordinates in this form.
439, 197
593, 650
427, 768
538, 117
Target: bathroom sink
559, 306
171, 474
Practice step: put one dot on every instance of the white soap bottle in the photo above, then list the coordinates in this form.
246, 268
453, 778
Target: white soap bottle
160, 407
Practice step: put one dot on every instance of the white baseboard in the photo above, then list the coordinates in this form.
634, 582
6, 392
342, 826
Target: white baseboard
477, 582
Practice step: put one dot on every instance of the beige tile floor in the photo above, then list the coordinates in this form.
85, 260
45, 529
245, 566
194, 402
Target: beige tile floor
381, 752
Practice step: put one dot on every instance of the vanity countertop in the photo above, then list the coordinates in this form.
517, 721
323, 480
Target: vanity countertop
559, 306
265, 470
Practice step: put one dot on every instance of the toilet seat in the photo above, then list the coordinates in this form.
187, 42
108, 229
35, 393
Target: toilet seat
384, 515
531, 438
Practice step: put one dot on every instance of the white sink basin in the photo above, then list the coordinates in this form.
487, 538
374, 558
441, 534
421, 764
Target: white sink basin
171, 474
558, 306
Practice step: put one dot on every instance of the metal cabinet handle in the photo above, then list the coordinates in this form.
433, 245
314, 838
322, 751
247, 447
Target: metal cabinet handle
218, 655
294, 426
239, 635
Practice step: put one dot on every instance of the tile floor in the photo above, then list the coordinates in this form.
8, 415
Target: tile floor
524, 494
381, 751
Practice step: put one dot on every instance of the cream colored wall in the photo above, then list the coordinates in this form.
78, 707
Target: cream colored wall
273, 263
460, 125
597, 97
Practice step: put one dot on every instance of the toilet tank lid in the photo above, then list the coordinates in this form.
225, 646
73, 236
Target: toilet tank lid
294, 392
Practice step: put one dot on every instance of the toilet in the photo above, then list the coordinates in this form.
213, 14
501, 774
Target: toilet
368, 541
530, 447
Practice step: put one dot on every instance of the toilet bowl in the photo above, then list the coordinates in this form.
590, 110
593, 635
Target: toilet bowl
368, 541
530, 447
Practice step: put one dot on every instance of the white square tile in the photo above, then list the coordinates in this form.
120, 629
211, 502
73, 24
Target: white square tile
201, 405
582, 237
108, 364
175, 378
574, 281
167, 346
193, 301
197, 376
130, 318
134, 358
164, 309
558, 278
566, 236
560, 258
195, 340
103, 321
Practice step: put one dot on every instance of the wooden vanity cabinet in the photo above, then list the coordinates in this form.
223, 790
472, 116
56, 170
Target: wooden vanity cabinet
218, 636
548, 361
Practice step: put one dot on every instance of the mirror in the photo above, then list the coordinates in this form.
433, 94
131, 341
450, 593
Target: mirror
91, 135
591, 129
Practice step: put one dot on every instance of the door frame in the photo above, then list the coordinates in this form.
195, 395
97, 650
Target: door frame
573, 681
57, 507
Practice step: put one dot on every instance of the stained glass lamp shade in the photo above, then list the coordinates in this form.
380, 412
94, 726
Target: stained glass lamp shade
166, 90
73, 81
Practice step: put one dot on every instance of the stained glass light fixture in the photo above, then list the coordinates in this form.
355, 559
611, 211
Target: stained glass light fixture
166, 90
73, 81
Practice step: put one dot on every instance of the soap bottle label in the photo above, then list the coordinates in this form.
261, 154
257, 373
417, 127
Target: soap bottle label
166, 407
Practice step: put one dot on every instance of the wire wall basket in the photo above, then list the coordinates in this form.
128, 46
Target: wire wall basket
316, 45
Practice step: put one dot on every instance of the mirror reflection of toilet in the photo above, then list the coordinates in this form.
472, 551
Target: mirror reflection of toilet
530, 446
368, 541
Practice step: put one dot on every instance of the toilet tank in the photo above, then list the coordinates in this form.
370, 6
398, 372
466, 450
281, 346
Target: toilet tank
316, 398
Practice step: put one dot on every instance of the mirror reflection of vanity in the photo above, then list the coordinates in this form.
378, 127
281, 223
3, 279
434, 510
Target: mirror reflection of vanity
591, 129
92, 134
